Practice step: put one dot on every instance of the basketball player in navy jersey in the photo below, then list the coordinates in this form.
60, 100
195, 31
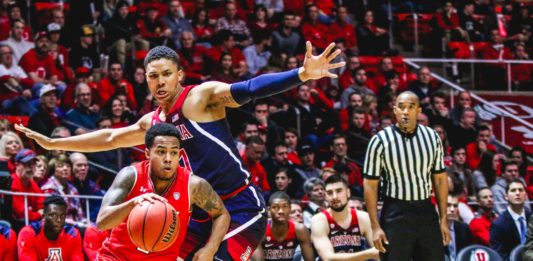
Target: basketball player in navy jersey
199, 112
336, 231
283, 235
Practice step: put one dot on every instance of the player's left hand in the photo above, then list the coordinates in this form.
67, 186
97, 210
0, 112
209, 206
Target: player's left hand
316, 67
445, 233
204, 254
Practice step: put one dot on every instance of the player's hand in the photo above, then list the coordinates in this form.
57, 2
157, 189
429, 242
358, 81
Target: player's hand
373, 253
150, 197
316, 67
42, 140
204, 254
380, 240
445, 233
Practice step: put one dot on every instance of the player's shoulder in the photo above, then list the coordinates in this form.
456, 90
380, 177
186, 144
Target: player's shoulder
71, 231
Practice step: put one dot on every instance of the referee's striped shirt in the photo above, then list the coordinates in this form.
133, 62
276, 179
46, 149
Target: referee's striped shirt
406, 161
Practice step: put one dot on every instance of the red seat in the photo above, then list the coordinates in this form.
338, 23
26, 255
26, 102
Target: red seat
16, 119
44, 6
163, 8
460, 50
522, 72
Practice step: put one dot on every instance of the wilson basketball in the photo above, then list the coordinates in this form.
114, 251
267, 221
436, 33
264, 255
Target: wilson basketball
153, 227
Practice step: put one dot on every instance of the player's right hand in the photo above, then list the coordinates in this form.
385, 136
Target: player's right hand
150, 197
380, 240
42, 140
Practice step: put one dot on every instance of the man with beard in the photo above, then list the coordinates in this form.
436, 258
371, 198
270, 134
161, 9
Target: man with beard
336, 231
283, 235
409, 158
50, 239
359, 86
480, 225
115, 83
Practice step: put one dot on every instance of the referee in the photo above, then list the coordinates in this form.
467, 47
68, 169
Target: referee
410, 159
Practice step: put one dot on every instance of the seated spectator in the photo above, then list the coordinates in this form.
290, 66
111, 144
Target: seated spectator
480, 225
262, 114
153, 30
472, 23
82, 119
273, 8
286, 38
140, 85
340, 149
499, 189
232, 23
341, 29
8, 241
40, 176
461, 175
115, 83
255, 147
258, 54
314, 30
192, 59
308, 168
225, 44
346, 78
464, 133
423, 87
84, 52
82, 75
47, 116
448, 22
50, 239
291, 139
509, 229
296, 211
116, 110
84, 185
176, 22
360, 86
40, 66
14, 13
10, 145
259, 21
495, 75
203, 31
224, 71
59, 184
13, 80
314, 189
459, 233
58, 132
60, 54
23, 182
464, 101
371, 39
358, 135
422, 119
120, 29
438, 113
16, 41
355, 102
283, 181
475, 149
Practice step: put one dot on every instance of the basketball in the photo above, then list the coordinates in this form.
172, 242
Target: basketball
153, 227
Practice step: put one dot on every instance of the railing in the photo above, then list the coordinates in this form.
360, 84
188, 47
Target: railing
412, 62
27, 194
507, 63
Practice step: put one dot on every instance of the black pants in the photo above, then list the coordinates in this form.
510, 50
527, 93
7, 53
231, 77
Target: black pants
412, 228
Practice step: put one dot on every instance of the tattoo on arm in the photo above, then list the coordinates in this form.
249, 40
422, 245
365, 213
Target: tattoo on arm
227, 99
120, 188
206, 198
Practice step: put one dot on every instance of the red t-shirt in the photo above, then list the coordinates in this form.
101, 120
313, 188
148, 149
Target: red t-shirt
342, 31
216, 52
317, 34
195, 68
43, 66
257, 173
473, 157
480, 228
34, 245
34, 203
8, 244
107, 89
354, 177
118, 245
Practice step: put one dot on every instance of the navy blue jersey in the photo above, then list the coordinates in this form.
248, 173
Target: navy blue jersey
208, 150
344, 240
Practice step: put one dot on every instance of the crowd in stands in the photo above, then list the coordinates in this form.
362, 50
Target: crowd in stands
71, 68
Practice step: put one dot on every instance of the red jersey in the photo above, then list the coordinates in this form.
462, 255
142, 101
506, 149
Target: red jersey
92, 241
8, 241
34, 203
344, 240
118, 245
258, 174
316, 34
106, 89
34, 245
280, 250
43, 66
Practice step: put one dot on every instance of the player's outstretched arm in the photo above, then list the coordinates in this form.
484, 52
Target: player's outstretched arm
203, 196
319, 237
305, 242
100, 140
216, 94
114, 210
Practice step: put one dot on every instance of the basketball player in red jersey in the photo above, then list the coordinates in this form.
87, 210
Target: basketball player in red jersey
199, 113
283, 235
158, 178
50, 239
336, 231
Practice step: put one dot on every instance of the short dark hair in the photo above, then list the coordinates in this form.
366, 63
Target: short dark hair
482, 128
162, 52
515, 180
506, 163
358, 111
336, 179
251, 121
161, 129
479, 191
454, 149
254, 140
338, 136
260, 35
437, 94
54, 200
279, 195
